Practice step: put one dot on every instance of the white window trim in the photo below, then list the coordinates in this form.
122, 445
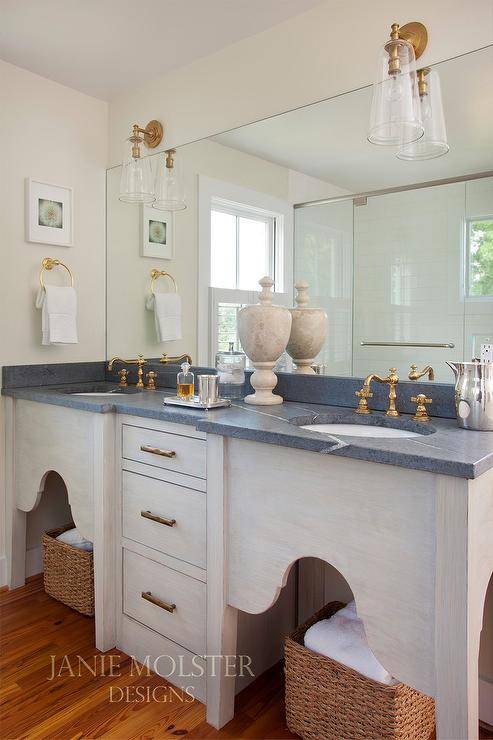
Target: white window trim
210, 192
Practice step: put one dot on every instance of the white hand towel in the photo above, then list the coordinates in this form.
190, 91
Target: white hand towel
73, 537
58, 315
342, 638
167, 315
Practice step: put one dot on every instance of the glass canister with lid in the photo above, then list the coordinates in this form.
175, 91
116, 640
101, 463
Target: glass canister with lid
230, 366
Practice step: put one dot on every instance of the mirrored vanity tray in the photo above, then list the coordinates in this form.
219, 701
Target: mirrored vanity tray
196, 404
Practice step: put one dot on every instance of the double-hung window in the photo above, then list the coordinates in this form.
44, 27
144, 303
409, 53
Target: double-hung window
241, 239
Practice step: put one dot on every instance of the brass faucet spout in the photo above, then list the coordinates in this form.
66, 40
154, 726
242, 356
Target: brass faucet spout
167, 360
416, 375
391, 380
139, 361
374, 376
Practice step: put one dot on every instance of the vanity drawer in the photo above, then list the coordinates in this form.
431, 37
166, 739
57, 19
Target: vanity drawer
171, 451
149, 508
146, 581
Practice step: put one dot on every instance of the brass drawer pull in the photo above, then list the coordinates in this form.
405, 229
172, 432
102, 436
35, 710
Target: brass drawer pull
157, 602
158, 519
157, 451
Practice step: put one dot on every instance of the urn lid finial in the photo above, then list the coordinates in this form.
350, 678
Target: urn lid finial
302, 299
265, 296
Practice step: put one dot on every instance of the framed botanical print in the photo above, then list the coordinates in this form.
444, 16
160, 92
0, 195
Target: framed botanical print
49, 213
157, 233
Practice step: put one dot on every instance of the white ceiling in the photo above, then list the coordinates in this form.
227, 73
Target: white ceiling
104, 47
328, 140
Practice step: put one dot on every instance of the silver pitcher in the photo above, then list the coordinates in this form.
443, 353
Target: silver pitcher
474, 394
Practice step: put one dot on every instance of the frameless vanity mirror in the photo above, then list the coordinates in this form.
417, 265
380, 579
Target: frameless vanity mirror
398, 253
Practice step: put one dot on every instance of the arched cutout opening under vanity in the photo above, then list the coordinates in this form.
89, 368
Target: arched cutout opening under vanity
318, 583
486, 661
51, 510
308, 584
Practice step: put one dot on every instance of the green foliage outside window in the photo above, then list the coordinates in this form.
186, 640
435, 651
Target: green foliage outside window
481, 258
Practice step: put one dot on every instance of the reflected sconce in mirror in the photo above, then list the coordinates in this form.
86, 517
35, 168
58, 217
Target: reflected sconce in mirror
395, 117
170, 192
434, 141
136, 184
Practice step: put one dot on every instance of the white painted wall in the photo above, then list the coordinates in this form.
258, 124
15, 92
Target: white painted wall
58, 135
294, 63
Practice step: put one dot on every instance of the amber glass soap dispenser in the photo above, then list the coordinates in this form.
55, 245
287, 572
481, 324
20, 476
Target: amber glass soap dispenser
185, 383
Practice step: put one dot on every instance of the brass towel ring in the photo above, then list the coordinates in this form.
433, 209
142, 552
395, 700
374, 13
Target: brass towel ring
48, 264
155, 274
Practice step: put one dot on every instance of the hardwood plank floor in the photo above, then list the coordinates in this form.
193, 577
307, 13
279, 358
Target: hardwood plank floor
35, 627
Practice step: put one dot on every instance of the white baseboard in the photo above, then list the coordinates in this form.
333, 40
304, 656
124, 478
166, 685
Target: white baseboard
3, 571
486, 701
34, 561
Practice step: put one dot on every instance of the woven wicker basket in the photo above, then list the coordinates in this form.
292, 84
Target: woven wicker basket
68, 572
329, 701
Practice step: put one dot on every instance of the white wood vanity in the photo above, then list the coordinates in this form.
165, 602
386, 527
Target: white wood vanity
415, 547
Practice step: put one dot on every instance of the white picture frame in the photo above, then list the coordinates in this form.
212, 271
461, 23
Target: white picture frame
49, 213
157, 240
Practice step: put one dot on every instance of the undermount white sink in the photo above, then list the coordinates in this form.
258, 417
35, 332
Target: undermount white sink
93, 393
360, 430
99, 390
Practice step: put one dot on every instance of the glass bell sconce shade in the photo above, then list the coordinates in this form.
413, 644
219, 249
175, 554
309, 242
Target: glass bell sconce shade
395, 117
136, 182
434, 141
170, 192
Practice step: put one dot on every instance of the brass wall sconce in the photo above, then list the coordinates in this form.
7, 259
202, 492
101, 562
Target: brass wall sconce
395, 117
434, 142
170, 192
406, 108
151, 136
136, 184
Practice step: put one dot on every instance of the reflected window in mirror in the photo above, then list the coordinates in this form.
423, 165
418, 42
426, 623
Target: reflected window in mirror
249, 237
480, 258
242, 247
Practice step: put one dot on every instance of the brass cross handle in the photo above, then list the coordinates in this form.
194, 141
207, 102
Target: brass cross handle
151, 380
363, 396
421, 413
123, 378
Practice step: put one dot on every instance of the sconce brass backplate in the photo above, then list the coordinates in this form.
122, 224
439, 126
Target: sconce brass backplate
416, 34
153, 134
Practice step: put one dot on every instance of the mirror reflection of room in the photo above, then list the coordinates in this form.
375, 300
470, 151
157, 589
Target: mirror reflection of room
395, 251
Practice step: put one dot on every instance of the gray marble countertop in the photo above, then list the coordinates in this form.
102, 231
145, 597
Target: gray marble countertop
442, 447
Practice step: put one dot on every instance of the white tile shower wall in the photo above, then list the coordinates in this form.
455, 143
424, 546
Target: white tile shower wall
408, 268
323, 257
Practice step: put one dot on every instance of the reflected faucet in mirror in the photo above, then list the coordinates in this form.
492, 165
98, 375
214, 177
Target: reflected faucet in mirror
168, 360
416, 375
139, 361
365, 393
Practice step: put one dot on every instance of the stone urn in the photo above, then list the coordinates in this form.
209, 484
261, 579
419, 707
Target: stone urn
308, 331
264, 332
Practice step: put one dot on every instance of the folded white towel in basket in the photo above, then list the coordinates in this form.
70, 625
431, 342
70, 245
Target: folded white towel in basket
342, 638
73, 537
58, 314
167, 315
